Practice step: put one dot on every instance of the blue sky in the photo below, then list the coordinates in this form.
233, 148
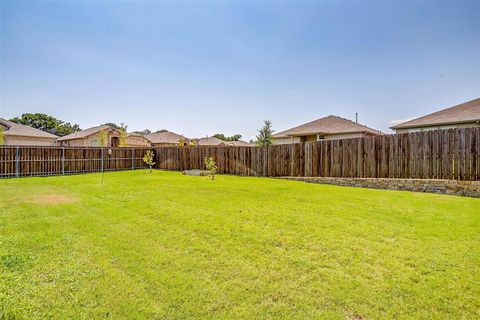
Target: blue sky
199, 68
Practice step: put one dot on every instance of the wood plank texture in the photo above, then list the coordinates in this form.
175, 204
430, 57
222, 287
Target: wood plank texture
441, 154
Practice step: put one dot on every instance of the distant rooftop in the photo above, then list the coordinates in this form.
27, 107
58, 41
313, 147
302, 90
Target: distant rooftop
240, 143
327, 125
462, 113
166, 137
16, 129
210, 141
84, 133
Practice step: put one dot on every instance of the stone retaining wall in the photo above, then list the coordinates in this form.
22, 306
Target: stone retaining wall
453, 187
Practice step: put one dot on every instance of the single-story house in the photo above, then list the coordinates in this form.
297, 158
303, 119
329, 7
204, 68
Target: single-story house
166, 139
240, 143
19, 134
328, 128
465, 115
137, 140
211, 141
91, 137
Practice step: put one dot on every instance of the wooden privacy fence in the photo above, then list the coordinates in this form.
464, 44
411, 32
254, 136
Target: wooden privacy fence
17, 161
439, 154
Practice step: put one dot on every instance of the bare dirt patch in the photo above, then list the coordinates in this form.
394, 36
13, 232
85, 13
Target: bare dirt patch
51, 199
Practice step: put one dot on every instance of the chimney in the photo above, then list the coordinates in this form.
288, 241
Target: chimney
356, 117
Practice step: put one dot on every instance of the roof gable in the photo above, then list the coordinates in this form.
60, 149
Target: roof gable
210, 141
462, 113
327, 125
164, 137
137, 135
16, 129
85, 133
240, 143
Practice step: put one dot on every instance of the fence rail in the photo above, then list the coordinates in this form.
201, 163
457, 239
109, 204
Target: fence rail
441, 154
18, 161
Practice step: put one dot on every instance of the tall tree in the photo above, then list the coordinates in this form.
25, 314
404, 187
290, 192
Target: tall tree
264, 138
67, 128
46, 123
223, 137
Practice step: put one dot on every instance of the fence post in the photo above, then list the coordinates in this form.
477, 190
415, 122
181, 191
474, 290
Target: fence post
133, 152
17, 162
63, 160
101, 159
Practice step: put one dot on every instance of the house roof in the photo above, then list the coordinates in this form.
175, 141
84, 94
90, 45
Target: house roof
133, 134
16, 129
84, 133
164, 137
240, 143
138, 135
462, 113
210, 141
327, 125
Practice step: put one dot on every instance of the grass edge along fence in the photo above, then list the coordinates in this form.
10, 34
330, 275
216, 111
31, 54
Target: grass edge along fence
20, 161
452, 154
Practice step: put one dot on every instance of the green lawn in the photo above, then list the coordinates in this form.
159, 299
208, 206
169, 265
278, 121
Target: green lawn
167, 246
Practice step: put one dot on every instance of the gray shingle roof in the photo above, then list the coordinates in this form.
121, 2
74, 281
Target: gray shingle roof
133, 134
164, 137
210, 141
462, 113
84, 133
328, 125
240, 143
15, 129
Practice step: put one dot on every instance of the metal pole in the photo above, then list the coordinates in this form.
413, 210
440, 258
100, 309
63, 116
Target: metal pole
17, 162
63, 161
133, 152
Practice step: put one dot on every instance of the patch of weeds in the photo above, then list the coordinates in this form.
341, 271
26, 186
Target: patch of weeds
14, 262
8, 314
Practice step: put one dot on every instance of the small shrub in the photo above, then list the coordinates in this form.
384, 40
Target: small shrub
211, 166
264, 138
148, 159
103, 139
182, 142
123, 135
2, 136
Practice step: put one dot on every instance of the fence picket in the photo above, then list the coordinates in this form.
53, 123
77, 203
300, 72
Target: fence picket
442, 154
